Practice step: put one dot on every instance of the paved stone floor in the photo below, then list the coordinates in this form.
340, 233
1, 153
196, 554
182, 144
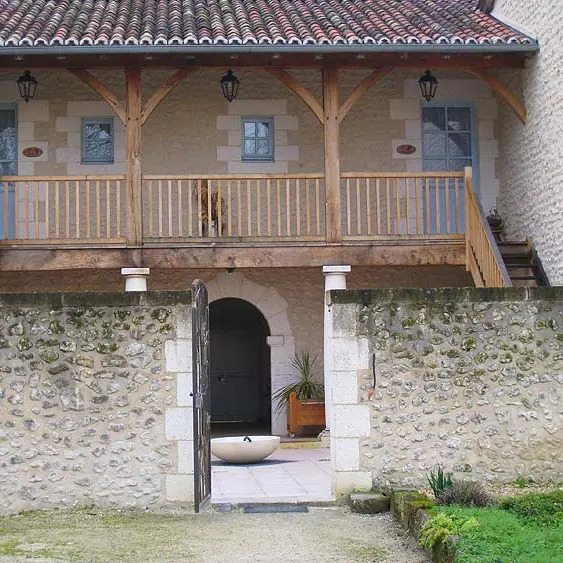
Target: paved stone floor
288, 475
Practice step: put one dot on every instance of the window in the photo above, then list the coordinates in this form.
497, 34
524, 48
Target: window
258, 139
97, 140
447, 143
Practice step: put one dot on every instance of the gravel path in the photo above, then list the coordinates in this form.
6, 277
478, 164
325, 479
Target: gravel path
323, 535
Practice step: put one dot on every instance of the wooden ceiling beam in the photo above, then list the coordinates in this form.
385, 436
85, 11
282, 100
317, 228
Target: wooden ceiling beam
282, 60
102, 90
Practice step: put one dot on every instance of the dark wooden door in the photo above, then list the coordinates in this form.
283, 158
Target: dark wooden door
235, 384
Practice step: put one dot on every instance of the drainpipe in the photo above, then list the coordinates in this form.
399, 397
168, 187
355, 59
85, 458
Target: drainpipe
335, 278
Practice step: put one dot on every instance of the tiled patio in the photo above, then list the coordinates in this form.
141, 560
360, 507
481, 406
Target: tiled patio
288, 475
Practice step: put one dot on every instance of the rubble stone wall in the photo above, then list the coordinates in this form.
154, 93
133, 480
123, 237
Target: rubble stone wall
468, 378
93, 400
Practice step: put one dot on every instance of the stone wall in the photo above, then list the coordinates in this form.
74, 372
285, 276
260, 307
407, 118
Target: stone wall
94, 400
468, 378
530, 198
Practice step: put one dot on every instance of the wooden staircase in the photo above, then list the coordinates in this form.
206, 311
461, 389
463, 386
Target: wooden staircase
522, 263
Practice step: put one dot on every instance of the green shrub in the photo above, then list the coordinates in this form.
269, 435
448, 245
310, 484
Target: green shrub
439, 481
523, 482
465, 493
544, 509
440, 527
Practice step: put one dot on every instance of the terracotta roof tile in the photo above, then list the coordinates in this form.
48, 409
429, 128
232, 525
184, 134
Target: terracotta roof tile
248, 22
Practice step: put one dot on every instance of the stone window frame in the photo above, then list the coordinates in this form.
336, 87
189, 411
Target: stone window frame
90, 159
255, 157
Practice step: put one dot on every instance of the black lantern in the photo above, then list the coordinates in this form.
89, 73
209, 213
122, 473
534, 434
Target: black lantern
428, 84
229, 85
27, 85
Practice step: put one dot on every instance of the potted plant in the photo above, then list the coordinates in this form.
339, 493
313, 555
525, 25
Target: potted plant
496, 223
304, 398
210, 204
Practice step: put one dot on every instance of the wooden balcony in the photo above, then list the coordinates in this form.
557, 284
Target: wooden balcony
207, 220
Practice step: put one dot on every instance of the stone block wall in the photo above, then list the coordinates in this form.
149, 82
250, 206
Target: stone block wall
94, 400
469, 378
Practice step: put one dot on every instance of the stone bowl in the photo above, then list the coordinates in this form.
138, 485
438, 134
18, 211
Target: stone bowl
244, 449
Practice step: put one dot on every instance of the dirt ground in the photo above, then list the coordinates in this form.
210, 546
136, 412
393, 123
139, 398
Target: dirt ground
102, 536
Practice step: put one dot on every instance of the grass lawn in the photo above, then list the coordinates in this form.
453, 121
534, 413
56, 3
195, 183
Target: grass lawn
504, 537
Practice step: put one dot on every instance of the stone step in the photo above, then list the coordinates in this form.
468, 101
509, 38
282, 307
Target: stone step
369, 503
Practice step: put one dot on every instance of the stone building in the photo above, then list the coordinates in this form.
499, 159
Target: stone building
251, 143
125, 152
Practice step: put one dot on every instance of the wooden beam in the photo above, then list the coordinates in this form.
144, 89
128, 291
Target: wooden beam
474, 270
300, 91
414, 253
133, 179
102, 90
501, 90
332, 154
361, 89
162, 92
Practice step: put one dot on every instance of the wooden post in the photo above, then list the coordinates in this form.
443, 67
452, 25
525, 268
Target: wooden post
133, 172
332, 154
468, 185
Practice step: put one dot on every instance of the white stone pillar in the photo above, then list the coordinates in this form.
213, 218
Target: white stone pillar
335, 278
135, 278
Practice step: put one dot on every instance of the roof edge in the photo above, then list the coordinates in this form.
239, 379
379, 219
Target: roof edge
528, 48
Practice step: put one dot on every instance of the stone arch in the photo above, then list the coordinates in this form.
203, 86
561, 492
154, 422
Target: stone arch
274, 308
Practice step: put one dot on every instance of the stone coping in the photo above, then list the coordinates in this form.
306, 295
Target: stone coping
444, 295
96, 299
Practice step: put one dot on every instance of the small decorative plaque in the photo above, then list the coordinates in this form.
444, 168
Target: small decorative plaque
32, 152
406, 149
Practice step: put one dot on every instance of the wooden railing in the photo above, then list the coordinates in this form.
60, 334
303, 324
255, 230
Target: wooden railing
62, 209
406, 205
259, 207
231, 208
483, 258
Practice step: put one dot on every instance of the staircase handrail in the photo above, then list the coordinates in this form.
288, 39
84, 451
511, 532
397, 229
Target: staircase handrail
483, 258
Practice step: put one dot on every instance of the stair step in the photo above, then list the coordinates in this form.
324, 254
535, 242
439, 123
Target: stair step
510, 257
522, 278
513, 243
521, 266
525, 283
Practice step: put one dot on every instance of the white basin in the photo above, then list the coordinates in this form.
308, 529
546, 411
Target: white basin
244, 449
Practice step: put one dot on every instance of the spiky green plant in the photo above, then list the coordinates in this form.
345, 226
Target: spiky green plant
439, 481
306, 387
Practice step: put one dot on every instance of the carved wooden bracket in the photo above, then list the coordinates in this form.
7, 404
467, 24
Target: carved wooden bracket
501, 90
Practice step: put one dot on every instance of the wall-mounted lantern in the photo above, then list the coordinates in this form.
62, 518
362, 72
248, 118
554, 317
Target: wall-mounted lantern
27, 85
428, 85
229, 85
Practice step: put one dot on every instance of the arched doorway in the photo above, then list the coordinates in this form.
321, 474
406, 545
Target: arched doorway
240, 368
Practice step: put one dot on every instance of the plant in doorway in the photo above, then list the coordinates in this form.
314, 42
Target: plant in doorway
303, 398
